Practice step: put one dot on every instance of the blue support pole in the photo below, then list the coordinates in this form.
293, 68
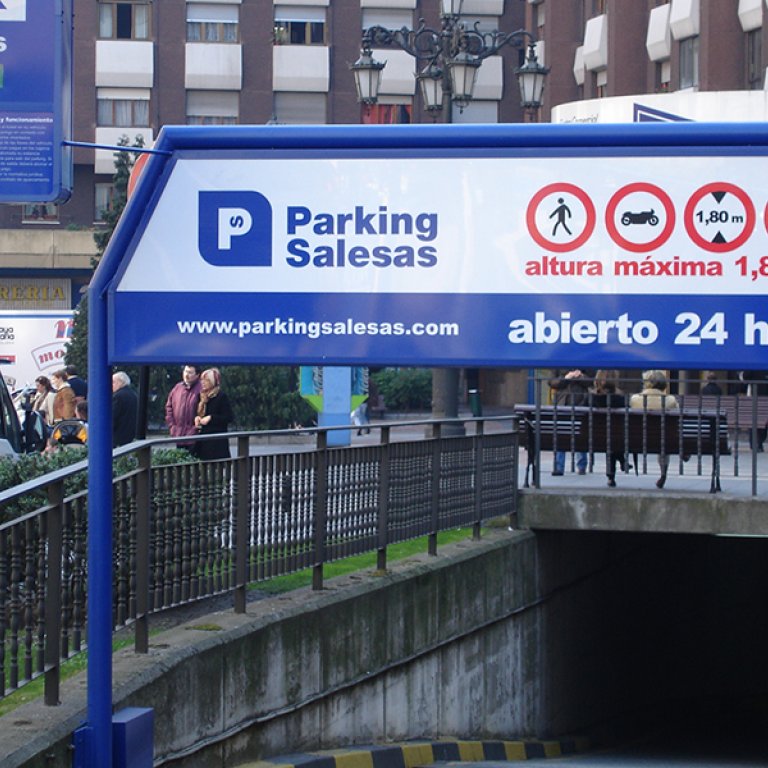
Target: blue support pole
93, 743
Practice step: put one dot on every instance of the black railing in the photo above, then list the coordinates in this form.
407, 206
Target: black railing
738, 415
186, 532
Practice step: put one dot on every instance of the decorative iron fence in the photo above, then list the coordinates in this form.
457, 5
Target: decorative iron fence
186, 532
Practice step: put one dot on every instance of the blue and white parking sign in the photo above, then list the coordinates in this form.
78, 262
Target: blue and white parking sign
449, 245
35, 100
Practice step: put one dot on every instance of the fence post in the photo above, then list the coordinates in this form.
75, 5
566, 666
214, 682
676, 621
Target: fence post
143, 512
241, 525
515, 472
479, 434
321, 508
52, 656
384, 475
436, 471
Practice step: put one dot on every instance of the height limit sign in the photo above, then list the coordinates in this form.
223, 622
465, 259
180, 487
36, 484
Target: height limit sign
719, 217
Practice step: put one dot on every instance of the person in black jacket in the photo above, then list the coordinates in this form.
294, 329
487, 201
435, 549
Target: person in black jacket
568, 390
125, 409
607, 394
214, 413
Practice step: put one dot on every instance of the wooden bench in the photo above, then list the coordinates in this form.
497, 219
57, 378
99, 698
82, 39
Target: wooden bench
738, 409
624, 432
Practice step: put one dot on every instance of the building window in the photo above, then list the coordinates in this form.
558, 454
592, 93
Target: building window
40, 213
299, 25
689, 62
104, 200
212, 23
212, 107
122, 113
210, 120
387, 114
755, 59
124, 21
297, 108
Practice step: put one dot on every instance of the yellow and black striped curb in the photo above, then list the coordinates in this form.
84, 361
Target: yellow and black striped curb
413, 754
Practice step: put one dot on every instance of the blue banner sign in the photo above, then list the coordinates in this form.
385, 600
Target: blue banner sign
450, 246
35, 100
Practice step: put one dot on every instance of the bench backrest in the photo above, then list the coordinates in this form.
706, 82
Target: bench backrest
618, 430
737, 408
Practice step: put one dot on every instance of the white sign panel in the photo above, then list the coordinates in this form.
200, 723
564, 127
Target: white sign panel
616, 254
660, 225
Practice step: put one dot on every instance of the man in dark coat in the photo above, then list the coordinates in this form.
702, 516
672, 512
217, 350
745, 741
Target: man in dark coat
125, 409
571, 389
79, 385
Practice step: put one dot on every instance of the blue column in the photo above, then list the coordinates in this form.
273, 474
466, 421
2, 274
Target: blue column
337, 399
93, 742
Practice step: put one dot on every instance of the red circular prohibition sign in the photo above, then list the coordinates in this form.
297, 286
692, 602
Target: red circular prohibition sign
749, 211
613, 204
589, 209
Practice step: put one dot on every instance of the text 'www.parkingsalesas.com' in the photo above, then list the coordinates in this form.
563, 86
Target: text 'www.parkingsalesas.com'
313, 329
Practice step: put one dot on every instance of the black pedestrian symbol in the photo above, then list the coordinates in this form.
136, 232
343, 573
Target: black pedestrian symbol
562, 212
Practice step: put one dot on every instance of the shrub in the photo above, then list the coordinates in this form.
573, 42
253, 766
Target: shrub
34, 465
405, 389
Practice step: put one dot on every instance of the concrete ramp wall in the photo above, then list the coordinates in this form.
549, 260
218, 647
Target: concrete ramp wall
550, 635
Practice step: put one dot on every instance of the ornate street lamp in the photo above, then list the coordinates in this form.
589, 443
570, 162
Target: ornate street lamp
531, 78
450, 59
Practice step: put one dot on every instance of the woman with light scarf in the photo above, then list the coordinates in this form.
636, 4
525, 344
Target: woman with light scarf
214, 413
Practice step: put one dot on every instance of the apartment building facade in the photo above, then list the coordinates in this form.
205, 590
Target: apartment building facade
143, 64
694, 59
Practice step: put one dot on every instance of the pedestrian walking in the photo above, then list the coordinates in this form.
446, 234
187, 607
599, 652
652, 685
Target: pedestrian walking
125, 409
214, 413
181, 405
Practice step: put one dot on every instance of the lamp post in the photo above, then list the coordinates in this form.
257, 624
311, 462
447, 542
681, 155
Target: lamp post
447, 60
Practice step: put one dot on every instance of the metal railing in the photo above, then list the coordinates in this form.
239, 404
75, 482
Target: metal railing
186, 532
742, 406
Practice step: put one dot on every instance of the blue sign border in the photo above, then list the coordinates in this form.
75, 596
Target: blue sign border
131, 341
106, 316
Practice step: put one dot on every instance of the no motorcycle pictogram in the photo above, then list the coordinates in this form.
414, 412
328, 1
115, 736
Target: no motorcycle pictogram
640, 217
565, 213
719, 217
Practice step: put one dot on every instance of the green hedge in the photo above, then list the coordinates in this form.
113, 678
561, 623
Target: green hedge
14, 472
405, 389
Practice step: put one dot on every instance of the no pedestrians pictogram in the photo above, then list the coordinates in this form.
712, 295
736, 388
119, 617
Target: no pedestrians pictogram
560, 217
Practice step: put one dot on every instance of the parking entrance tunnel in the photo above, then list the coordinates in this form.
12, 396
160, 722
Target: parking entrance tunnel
653, 633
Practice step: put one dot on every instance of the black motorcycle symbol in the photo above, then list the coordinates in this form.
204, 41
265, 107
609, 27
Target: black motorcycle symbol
643, 217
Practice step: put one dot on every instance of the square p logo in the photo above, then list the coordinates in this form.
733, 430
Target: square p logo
235, 229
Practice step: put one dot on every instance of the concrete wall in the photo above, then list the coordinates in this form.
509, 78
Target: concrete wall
519, 635
437, 646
